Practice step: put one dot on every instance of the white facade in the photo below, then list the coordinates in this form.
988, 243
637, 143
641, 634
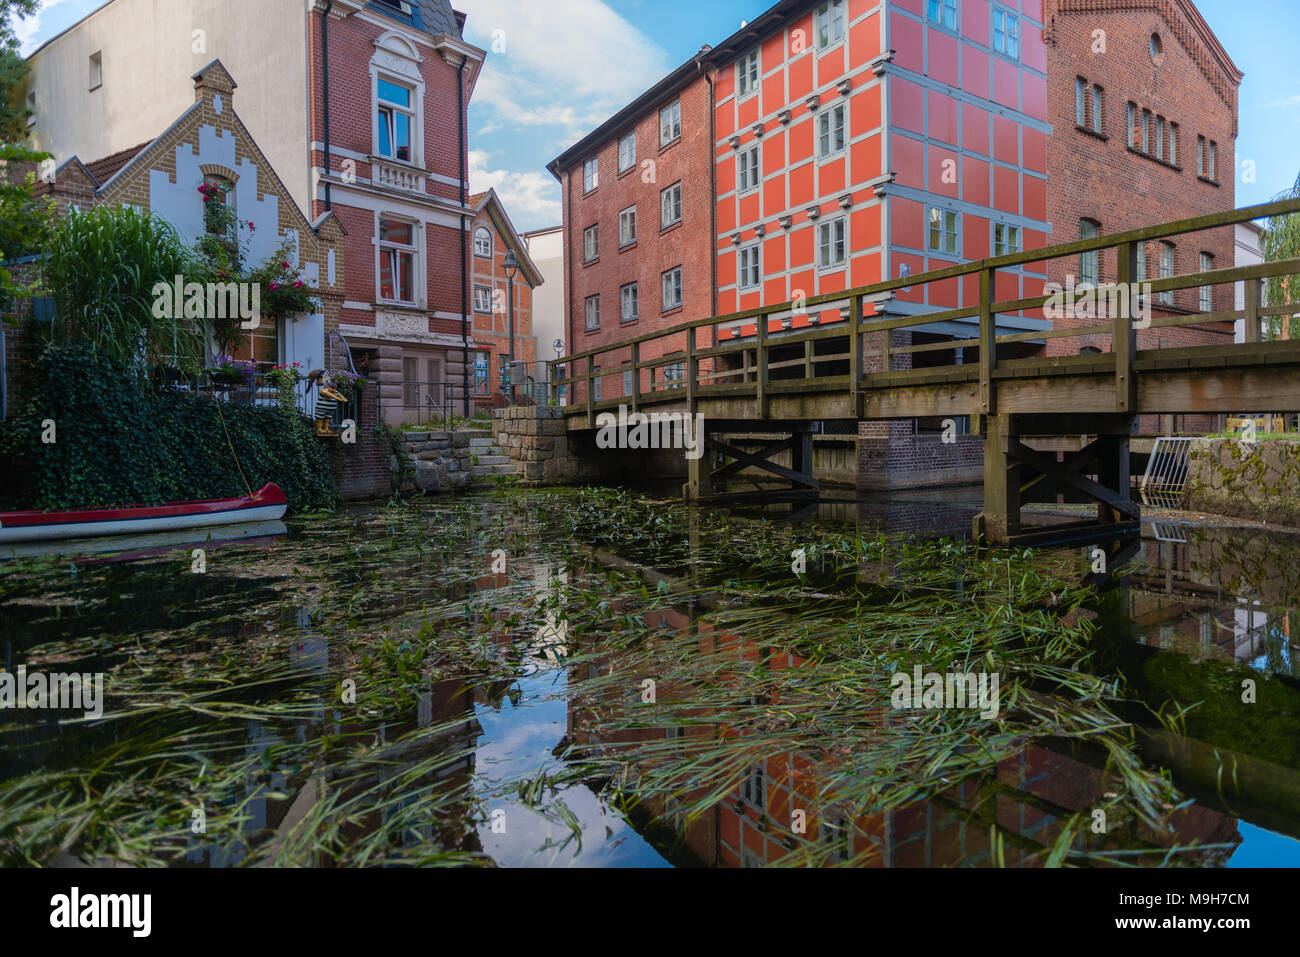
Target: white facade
1248, 252
146, 45
546, 250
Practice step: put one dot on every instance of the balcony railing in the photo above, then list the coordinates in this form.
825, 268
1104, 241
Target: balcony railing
397, 176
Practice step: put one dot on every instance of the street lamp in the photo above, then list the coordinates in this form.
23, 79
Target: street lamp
512, 267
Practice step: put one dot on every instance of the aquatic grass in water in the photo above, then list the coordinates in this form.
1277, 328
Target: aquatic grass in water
229, 691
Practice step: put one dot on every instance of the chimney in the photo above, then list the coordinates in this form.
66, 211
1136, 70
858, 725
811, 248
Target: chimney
212, 81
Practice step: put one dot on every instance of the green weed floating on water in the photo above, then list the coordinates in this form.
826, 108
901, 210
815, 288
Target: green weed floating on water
215, 704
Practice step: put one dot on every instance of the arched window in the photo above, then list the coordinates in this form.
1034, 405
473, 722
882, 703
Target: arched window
483, 243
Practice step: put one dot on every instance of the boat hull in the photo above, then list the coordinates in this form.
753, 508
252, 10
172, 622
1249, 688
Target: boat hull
267, 505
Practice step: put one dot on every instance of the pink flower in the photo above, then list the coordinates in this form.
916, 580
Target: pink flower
275, 286
252, 228
284, 265
298, 284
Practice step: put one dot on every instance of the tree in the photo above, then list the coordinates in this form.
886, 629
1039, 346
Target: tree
13, 72
1281, 240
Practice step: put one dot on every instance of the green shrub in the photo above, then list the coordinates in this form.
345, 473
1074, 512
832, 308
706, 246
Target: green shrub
119, 444
102, 267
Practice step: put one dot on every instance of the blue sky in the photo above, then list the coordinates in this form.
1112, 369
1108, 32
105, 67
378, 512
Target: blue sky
558, 68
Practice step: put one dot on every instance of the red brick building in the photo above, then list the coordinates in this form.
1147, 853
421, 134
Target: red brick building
389, 105
638, 207
494, 238
855, 142
1143, 98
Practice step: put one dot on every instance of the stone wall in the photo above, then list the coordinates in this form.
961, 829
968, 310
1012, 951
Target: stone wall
535, 438
1256, 480
441, 461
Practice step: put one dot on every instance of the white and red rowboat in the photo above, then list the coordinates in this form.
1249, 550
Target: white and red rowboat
267, 505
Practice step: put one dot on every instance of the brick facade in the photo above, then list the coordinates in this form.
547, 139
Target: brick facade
490, 298
411, 331
164, 177
656, 249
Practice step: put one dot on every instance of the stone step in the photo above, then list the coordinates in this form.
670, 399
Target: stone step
481, 443
476, 433
493, 460
488, 471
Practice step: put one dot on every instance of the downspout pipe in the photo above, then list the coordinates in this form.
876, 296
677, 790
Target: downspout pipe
464, 244
325, 93
703, 67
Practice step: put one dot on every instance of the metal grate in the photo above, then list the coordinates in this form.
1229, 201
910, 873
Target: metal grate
1166, 474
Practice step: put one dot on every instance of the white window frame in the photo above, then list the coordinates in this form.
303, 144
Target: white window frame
672, 113
829, 24
1211, 174
482, 305
627, 227
670, 200
832, 131
1167, 252
591, 309
385, 248
634, 299
478, 248
591, 243
1207, 292
671, 291
412, 112
942, 13
749, 76
1173, 143
1080, 102
591, 175
1089, 263
748, 163
1006, 239
96, 70
627, 151
832, 243
749, 266
946, 216
1098, 92
1006, 32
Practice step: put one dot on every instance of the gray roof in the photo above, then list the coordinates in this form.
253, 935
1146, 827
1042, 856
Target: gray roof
438, 17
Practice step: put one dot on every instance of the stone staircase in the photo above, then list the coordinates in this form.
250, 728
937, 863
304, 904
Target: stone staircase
488, 460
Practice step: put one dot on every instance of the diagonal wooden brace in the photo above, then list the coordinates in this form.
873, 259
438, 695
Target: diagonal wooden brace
760, 461
1062, 473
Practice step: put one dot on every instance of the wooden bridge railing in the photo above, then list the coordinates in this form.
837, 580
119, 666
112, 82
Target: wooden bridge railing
744, 346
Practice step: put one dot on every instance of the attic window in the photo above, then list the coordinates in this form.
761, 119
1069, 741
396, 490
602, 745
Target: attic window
96, 70
401, 6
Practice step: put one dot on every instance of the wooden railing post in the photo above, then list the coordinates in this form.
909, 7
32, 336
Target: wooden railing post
1123, 331
857, 307
591, 392
636, 377
1252, 309
762, 366
692, 369
988, 341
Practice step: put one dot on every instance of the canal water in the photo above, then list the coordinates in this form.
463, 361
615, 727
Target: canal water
602, 679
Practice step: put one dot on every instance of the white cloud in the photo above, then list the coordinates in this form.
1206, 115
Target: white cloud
569, 64
532, 199
32, 32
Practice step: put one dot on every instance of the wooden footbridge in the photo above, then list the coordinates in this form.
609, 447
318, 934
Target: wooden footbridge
835, 360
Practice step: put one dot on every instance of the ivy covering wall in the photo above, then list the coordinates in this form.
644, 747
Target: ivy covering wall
120, 442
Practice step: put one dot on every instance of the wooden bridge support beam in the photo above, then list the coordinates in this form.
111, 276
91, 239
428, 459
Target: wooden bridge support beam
705, 483
1013, 472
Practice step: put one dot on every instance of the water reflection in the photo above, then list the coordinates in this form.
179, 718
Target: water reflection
475, 762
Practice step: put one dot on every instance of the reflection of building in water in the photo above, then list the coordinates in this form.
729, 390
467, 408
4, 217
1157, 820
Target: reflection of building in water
1012, 815
1221, 594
